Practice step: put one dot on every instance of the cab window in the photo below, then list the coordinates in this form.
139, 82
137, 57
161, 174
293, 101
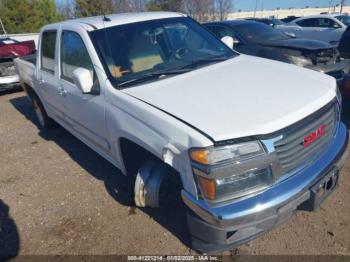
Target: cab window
307, 22
326, 23
48, 47
73, 55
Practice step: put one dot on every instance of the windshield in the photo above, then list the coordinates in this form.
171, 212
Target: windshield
259, 33
344, 19
277, 21
141, 49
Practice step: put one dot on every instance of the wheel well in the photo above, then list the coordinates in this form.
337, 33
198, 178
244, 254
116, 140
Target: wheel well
171, 185
134, 155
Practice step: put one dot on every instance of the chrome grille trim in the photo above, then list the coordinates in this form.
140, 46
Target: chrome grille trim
289, 148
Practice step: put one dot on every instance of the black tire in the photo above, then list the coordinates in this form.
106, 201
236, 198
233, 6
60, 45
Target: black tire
43, 120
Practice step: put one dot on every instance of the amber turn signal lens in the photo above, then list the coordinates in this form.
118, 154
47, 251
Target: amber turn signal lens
200, 156
208, 187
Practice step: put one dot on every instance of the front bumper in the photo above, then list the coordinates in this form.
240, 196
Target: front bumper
215, 228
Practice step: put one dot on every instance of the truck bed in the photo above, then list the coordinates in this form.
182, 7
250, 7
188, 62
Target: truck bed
26, 69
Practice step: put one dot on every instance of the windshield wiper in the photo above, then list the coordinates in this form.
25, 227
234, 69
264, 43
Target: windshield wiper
196, 63
153, 75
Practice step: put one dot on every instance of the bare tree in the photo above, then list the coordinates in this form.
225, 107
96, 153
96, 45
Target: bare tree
342, 4
165, 5
222, 8
130, 5
137, 5
205, 10
83, 8
65, 9
201, 10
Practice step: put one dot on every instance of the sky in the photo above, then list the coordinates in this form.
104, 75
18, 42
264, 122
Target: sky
249, 5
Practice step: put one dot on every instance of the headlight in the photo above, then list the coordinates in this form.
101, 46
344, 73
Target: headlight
231, 153
231, 171
299, 60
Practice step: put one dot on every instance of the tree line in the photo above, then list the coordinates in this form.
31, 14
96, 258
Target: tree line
23, 16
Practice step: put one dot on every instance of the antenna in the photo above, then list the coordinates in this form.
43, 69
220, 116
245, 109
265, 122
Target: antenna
105, 18
256, 6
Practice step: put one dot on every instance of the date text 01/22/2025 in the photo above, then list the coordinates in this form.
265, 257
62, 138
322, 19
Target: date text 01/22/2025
173, 258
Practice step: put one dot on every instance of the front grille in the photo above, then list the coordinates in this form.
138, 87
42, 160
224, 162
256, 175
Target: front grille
291, 151
322, 57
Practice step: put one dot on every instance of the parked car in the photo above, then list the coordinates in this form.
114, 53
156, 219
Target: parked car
289, 18
267, 21
318, 27
258, 39
252, 140
9, 49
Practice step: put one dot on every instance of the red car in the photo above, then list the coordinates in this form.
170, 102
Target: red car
10, 48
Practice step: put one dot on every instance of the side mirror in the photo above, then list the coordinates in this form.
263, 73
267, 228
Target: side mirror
229, 41
336, 26
82, 78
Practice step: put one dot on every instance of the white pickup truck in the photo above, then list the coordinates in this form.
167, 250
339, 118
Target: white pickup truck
253, 140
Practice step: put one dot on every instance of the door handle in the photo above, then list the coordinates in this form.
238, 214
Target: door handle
41, 81
61, 91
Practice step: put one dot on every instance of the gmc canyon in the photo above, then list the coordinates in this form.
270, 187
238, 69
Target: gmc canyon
250, 149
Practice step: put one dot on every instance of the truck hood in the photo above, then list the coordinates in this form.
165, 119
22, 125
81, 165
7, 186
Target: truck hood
240, 97
300, 44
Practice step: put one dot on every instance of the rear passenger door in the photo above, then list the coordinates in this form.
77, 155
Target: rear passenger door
47, 80
309, 29
84, 113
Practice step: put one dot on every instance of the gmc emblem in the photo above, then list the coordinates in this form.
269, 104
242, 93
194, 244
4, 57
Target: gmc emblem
317, 134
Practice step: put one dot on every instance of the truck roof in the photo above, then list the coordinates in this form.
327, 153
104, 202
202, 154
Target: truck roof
96, 22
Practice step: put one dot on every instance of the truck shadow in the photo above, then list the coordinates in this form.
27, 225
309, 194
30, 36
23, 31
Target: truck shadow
9, 237
172, 217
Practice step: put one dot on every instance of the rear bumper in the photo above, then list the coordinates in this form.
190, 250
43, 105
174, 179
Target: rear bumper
7, 80
215, 228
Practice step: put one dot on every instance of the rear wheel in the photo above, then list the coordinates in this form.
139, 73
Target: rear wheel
44, 121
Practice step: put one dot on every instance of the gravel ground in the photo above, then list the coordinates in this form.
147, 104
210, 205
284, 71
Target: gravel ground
59, 197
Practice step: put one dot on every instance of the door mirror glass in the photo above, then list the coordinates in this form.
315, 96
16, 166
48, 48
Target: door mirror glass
83, 80
228, 40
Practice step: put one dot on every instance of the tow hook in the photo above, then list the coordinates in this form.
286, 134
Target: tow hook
148, 181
